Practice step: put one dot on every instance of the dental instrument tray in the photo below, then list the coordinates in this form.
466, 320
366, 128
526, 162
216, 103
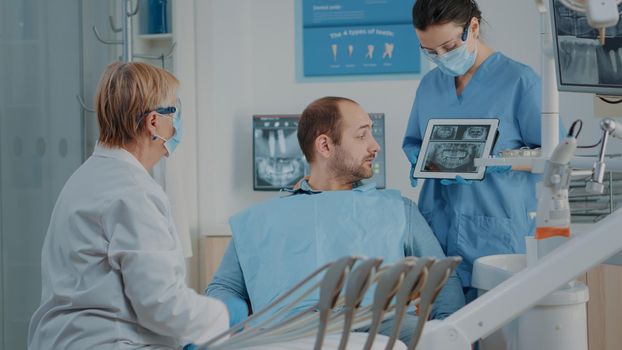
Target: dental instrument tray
450, 147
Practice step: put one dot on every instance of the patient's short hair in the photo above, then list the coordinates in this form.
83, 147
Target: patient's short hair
321, 117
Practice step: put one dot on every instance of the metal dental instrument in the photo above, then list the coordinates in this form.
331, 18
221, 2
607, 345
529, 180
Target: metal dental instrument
437, 276
386, 289
358, 284
414, 280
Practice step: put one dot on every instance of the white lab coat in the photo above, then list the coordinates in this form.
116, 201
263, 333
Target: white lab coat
113, 270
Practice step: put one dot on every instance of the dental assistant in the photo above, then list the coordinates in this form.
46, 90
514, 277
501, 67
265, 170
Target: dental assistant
113, 271
471, 80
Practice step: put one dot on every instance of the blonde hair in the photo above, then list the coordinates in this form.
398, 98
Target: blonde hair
126, 92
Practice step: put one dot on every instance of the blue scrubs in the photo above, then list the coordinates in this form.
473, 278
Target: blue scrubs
490, 216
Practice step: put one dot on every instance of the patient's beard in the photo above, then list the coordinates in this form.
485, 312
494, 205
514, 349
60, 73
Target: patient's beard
347, 167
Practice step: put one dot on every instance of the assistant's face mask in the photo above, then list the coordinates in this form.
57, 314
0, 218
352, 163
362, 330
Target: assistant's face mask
456, 62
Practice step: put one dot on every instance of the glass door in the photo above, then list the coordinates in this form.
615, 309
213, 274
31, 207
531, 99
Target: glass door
41, 143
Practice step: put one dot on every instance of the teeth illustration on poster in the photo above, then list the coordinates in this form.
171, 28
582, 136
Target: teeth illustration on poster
388, 50
370, 52
358, 37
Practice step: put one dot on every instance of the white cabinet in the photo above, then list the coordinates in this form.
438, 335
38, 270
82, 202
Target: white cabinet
155, 19
153, 33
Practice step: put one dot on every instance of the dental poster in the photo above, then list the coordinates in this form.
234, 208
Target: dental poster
348, 37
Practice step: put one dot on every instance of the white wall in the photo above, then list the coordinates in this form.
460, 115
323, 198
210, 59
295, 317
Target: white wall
246, 64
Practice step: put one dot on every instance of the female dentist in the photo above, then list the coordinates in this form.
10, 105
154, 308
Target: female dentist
113, 271
473, 81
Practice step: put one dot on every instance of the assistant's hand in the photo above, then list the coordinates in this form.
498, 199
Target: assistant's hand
413, 180
462, 181
414, 151
498, 169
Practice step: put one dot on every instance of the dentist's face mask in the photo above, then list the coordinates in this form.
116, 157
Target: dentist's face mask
453, 57
174, 113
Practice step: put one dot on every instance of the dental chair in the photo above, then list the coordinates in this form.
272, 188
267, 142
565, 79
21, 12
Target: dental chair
328, 324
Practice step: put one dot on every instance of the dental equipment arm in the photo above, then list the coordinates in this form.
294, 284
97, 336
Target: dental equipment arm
553, 215
610, 126
509, 299
613, 129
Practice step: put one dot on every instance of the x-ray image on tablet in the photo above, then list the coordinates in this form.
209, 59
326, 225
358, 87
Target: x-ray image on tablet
475, 133
452, 157
445, 132
450, 147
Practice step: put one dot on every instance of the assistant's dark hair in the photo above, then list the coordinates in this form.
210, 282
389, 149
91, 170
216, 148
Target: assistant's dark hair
433, 12
321, 116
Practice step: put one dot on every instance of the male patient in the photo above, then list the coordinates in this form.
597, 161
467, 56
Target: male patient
278, 242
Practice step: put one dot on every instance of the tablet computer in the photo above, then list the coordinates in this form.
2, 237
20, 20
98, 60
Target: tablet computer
450, 147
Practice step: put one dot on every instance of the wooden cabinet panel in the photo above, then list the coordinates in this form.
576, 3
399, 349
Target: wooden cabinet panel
604, 310
212, 249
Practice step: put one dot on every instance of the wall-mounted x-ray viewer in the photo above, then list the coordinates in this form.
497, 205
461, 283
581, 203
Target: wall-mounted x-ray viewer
450, 147
278, 161
583, 64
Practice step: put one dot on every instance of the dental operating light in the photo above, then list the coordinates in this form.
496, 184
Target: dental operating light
599, 13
